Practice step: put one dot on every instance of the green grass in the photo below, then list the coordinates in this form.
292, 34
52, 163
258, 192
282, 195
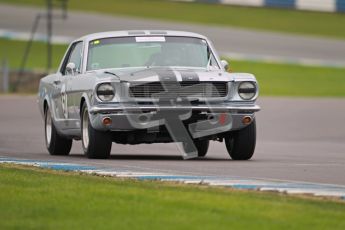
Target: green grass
32, 198
282, 20
274, 79
13, 51
295, 80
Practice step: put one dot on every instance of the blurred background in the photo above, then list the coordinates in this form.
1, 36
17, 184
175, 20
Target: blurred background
295, 48
281, 41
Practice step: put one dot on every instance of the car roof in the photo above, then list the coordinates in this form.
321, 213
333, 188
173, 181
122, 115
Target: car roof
134, 33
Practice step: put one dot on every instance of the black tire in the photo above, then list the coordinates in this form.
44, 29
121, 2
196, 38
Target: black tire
98, 145
202, 147
241, 144
56, 143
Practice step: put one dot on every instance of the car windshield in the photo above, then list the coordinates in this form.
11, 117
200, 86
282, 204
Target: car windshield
145, 51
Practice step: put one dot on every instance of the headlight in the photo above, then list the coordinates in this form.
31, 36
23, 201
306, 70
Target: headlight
247, 90
105, 92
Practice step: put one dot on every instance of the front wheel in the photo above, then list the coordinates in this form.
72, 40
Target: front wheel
241, 144
96, 144
56, 143
202, 147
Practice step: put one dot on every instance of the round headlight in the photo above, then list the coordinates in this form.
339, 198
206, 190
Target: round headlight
105, 92
247, 90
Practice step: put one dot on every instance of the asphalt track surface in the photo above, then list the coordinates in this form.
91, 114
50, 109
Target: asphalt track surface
233, 42
298, 140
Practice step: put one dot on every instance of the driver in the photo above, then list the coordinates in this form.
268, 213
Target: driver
169, 56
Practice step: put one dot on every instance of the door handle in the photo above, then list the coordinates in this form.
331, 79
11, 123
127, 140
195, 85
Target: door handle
57, 82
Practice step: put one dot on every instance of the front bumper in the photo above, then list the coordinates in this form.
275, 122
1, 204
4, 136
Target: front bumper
106, 109
132, 117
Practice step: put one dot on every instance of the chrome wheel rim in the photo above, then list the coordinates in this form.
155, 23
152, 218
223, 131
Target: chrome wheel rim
48, 127
85, 129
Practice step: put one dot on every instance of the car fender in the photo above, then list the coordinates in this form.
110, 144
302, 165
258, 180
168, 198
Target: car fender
85, 98
243, 77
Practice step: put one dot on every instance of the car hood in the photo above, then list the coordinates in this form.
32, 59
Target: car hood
159, 74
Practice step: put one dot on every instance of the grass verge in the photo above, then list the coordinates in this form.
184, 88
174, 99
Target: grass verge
33, 198
274, 79
281, 20
13, 52
295, 80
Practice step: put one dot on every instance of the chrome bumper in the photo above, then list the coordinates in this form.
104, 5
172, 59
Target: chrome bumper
108, 109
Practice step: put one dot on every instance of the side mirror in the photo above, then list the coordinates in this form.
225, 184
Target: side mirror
225, 64
70, 68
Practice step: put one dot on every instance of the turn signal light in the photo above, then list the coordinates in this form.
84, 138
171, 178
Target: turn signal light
106, 121
246, 120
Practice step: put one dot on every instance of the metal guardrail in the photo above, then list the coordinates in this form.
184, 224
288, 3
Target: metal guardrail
5, 77
312, 5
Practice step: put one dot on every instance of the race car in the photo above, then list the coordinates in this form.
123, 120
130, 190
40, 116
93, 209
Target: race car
135, 87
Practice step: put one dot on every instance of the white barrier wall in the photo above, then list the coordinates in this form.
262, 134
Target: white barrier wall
314, 5
317, 5
244, 2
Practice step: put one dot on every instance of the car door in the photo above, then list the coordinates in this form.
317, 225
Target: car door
66, 89
56, 106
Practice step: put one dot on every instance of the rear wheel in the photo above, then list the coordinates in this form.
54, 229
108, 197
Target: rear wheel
96, 144
241, 144
56, 143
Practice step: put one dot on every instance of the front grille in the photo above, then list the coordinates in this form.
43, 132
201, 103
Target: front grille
187, 89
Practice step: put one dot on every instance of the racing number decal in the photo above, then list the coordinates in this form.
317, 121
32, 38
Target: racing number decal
64, 101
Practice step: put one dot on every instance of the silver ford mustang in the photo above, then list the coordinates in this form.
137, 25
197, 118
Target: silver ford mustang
133, 87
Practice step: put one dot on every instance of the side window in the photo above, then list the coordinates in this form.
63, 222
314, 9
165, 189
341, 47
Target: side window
74, 55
